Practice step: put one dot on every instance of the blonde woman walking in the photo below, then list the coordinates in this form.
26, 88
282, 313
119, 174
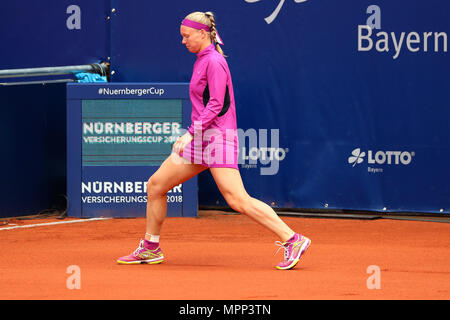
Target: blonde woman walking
211, 143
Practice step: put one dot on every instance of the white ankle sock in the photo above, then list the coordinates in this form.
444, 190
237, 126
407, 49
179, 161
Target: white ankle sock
153, 238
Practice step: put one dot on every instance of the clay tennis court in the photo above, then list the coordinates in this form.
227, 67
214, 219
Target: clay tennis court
226, 256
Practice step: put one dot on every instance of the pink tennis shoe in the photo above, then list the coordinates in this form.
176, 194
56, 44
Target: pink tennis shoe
143, 254
293, 250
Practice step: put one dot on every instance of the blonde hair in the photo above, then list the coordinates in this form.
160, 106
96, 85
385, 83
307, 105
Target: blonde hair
208, 19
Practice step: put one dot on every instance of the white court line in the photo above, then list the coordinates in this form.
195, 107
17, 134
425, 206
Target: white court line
53, 223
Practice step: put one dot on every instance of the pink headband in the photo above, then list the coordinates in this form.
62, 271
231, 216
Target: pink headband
201, 26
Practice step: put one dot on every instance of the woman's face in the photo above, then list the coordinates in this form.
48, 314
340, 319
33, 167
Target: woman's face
194, 40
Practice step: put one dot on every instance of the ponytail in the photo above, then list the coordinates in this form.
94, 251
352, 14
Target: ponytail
211, 18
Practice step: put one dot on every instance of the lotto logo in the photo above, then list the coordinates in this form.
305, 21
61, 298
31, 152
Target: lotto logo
357, 157
381, 157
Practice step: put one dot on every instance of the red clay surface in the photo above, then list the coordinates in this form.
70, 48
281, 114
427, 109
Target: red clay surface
218, 256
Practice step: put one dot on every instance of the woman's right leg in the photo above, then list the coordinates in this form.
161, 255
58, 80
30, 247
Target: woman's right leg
173, 171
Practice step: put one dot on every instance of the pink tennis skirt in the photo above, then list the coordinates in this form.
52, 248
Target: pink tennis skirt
216, 152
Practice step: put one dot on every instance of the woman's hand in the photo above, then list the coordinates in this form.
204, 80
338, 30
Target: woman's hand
182, 142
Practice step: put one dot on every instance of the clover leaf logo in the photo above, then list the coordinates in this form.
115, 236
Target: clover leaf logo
357, 157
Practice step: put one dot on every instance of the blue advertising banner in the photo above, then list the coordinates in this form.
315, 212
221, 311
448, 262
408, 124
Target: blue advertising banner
341, 104
42, 34
118, 136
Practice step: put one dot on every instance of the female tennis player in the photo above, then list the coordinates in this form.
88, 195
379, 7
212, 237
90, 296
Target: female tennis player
211, 142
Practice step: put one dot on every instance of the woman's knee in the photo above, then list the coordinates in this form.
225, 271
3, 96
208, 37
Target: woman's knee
239, 203
155, 188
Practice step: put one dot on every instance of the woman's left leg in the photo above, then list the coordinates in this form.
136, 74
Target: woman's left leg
230, 184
